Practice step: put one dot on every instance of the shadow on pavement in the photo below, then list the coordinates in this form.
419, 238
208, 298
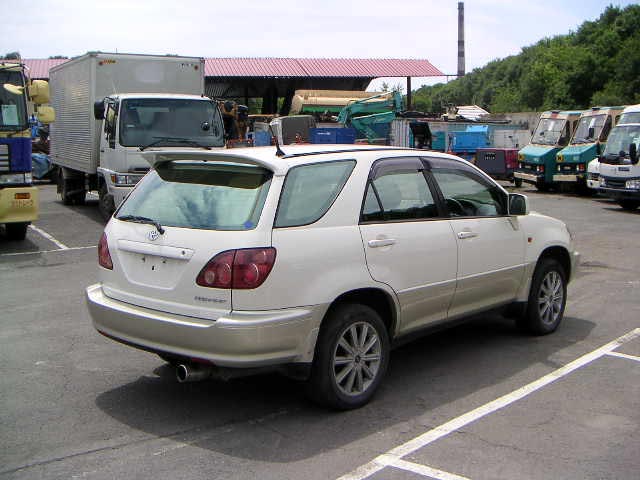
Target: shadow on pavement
268, 418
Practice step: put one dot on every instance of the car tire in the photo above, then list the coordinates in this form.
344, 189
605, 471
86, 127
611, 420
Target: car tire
351, 357
629, 204
106, 204
547, 299
16, 231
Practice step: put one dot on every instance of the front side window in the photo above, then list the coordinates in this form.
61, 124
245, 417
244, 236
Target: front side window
398, 195
309, 191
200, 195
170, 122
13, 109
467, 194
620, 138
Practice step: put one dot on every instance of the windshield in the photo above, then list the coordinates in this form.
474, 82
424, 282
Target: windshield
620, 138
551, 131
161, 121
220, 196
13, 109
584, 134
629, 117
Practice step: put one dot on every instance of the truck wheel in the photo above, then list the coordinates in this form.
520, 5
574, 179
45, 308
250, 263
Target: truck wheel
64, 187
105, 202
517, 182
629, 204
16, 231
547, 299
352, 354
542, 187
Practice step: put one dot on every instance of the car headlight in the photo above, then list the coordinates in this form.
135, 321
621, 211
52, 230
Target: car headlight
633, 184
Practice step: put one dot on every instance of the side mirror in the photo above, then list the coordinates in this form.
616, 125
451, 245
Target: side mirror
633, 153
98, 110
39, 92
592, 132
598, 149
46, 114
518, 204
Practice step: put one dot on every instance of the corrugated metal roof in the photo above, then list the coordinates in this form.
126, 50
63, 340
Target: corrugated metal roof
39, 68
290, 67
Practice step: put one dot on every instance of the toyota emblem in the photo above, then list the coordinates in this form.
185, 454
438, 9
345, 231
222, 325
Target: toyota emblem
153, 235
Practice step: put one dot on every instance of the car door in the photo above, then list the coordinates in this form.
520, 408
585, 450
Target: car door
408, 244
491, 245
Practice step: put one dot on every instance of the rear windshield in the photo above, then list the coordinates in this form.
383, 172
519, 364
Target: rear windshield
200, 195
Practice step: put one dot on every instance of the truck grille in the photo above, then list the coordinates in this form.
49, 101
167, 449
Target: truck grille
5, 166
611, 182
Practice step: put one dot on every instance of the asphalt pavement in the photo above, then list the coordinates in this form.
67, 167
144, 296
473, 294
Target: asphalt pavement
479, 400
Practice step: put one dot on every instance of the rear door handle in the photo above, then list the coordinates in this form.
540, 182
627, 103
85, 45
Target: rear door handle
466, 234
381, 243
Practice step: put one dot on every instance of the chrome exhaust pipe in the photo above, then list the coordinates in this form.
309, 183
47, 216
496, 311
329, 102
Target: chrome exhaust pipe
193, 373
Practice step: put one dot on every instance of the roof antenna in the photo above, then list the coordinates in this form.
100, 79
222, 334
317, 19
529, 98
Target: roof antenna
279, 152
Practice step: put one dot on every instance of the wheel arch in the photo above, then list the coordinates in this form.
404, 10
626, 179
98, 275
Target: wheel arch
561, 255
377, 299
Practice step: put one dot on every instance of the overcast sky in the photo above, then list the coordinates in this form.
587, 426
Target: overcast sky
424, 29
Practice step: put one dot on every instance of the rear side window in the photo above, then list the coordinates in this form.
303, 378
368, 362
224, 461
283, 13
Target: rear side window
309, 191
201, 195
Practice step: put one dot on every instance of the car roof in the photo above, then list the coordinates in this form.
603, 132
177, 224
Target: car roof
294, 155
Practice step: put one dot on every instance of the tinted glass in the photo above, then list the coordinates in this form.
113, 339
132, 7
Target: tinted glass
398, 196
13, 111
310, 190
469, 195
200, 195
170, 122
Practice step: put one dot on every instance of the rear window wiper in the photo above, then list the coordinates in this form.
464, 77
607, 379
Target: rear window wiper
176, 140
139, 219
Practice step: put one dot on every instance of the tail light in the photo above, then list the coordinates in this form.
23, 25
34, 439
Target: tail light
104, 257
581, 168
540, 168
241, 269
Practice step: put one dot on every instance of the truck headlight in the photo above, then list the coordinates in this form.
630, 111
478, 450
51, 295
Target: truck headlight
633, 184
16, 179
125, 180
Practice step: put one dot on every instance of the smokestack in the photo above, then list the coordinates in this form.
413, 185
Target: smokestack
460, 39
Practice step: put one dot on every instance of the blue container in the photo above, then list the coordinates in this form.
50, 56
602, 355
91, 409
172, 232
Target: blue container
261, 138
332, 135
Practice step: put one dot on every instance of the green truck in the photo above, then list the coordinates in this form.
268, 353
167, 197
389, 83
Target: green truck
537, 161
587, 143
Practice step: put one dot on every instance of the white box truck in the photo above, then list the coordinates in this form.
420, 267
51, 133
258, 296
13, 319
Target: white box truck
112, 106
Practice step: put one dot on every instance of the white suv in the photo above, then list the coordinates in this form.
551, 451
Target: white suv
316, 262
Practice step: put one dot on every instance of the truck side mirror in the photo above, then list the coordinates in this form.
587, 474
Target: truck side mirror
598, 149
633, 153
98, 110
592, 132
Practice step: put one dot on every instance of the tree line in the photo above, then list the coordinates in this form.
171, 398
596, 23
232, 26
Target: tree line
599, 64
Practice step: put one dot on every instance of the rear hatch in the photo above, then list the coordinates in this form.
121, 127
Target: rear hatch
180, 216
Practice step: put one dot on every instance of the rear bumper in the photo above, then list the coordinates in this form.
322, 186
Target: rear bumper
239, 339
569, 178
18, 204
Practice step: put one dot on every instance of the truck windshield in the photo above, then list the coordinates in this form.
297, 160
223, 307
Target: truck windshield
629, 117
584, 125
620, 138
13, 109
551, 131
145, 120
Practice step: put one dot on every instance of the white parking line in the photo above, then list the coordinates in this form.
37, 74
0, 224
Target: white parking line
624, 355
37, 252
59, 244
422, 470
457, 423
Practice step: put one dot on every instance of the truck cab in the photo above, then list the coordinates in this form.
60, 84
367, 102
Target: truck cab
586, 144
133, 123
619, 166
18, 197
537, 161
